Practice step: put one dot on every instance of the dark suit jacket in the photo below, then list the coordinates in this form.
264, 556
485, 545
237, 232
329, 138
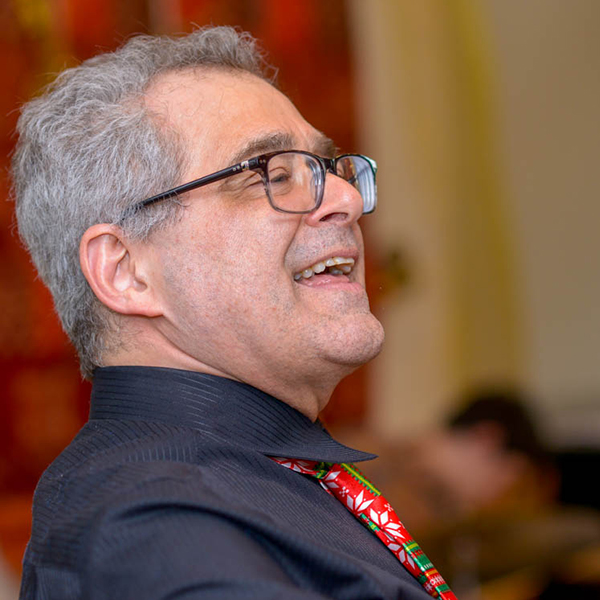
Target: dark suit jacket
168, 492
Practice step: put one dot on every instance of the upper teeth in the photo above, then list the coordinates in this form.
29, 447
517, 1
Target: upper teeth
336, 265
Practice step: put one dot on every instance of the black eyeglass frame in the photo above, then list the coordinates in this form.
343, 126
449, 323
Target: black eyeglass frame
259, 164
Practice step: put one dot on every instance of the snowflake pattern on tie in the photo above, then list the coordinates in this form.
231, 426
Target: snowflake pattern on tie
348, 485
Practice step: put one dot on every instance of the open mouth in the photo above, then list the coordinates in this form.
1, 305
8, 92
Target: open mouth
336, 265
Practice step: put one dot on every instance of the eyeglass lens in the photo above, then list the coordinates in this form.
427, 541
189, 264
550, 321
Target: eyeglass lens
296, 180
357, 171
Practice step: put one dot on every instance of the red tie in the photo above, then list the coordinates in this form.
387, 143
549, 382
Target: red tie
346, 483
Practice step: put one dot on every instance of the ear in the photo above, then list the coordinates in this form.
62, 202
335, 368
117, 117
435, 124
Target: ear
114, 268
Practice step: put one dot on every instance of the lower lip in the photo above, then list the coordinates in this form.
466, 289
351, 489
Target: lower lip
331, 282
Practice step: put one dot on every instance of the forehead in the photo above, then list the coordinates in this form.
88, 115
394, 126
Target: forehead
226, 116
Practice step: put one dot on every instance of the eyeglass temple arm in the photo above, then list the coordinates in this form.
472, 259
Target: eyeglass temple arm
192, 185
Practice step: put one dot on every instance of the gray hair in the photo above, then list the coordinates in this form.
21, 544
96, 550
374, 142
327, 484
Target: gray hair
88, 149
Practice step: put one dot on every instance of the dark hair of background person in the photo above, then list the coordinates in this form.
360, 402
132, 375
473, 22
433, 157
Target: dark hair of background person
507, 409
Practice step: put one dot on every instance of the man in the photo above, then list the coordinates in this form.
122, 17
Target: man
203, 249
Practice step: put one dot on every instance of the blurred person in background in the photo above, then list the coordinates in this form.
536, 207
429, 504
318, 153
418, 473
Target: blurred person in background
488, 452
202, 246
483, 492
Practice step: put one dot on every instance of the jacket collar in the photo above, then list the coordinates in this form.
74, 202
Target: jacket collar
233, 411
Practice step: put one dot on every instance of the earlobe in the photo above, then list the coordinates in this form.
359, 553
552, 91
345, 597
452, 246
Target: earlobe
108, 262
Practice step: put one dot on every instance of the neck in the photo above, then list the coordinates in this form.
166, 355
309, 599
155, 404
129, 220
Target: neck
307, 392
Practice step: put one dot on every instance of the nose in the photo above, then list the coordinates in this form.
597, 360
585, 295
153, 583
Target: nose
342, 204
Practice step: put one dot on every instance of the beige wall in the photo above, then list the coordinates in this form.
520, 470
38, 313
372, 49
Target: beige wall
549, 66
484, 118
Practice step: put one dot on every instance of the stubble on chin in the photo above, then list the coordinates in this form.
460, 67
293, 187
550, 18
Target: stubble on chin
353, 343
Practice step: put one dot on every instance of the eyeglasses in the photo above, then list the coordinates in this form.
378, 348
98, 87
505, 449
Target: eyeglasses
293, 180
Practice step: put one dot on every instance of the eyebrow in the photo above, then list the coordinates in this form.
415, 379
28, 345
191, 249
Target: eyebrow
281, 141
325, 147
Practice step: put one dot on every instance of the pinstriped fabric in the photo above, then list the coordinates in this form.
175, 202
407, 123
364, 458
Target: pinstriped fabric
169, 492
193, 399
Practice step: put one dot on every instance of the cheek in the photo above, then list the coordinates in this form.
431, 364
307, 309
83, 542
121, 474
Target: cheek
235, 256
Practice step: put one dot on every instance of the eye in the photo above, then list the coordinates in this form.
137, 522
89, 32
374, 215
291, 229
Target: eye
279, 176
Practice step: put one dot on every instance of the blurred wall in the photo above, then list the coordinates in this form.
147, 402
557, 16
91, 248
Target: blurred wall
484, 117
548, 54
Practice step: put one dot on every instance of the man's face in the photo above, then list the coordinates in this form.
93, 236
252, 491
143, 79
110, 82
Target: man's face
226, 270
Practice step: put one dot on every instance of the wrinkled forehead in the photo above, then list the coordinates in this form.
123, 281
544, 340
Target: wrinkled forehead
225, 116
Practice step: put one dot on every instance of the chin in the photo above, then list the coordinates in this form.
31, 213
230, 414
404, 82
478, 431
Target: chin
354, 344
